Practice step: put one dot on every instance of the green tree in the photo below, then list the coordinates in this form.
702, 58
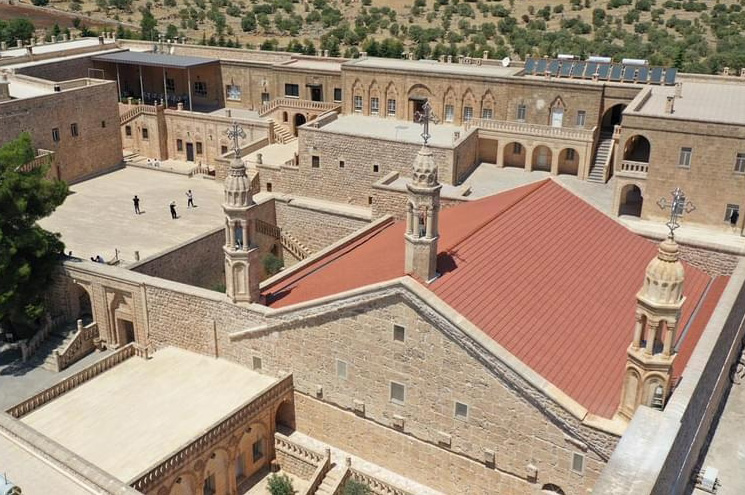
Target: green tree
16, 29
353, 487
280, 484
40, 3
148, 25
28, 253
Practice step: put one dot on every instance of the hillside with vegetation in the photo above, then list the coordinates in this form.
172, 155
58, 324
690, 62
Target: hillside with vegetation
694, 36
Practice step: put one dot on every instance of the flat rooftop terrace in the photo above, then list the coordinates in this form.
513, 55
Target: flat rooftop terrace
133, 416
392, 129
56, 47
722, 103
433, 66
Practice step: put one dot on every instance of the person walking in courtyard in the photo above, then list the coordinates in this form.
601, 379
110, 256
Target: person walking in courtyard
173, 210
136, 202
734, 216
189, 199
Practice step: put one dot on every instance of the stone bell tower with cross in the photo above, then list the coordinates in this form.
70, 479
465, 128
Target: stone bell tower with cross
650, 357
242, 269
423, 209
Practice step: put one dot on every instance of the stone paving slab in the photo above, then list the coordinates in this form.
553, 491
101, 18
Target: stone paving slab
98, 217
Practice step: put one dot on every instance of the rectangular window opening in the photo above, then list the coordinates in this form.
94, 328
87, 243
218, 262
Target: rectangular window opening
223, 149
199, 148
740, 163
256, 362
103, 123
461, 410
729, 211
55, 135
685, 157
391, 108
257, 449
145, 134
315, 161
357, 103
376, 168
233, 92
170, 84
578, 463
268, 187
200, 88
292, 90
449, 113
581, 117
374, 105
265, 98
521, 111
486, 114
341, 369
179, 145
337, 94
341, 163
467, 114
128, 130
399, 333
398, 393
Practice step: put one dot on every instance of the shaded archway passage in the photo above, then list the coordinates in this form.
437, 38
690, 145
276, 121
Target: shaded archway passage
298, 120
569, 161
85, 309
541, 158
631, 201
612, 117
551, 488
284, 419
637, 149
514, 155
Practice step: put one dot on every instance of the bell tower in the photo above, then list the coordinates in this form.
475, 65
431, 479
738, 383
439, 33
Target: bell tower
423, 210
242, 270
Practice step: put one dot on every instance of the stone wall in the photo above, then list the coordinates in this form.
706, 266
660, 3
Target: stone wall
313, 225
97, 146
62, 70
713, 262
199, 261
388, 200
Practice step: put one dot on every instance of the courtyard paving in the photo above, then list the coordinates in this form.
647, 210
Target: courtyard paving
98, 217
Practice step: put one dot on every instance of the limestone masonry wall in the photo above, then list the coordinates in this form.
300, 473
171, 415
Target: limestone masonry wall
198, 261
712, 262
390, 201
314, 228
294, 465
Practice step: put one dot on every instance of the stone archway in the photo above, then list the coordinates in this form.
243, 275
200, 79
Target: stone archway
631, 201
284, 418
121, 319
541, 159
612, 117
551, 488
569, 161
298, 120
637, 149
513, 155
252, 453
216, 478
85, 308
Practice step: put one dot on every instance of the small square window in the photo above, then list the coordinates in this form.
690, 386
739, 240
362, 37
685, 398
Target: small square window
179, 145
399, 333
200, 88
268, 187
376, 168
729, 211
128, 130
265, 97
486, 113
581, 117
199, 148
315, 161
256, 363
55, 135
398, 393
258, 449
145, 134
461, 411
578, 463
233, 92
292, 90
341, 369
341, 163
740, 163
74, 130
449, 113
685, 157
223, 149
103, 123
337, 94
521, 111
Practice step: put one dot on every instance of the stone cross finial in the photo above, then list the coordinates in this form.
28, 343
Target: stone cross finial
678, 206
425, 117
236, 132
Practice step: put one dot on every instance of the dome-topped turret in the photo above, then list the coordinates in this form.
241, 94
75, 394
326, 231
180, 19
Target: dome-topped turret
425, 169
663, 282
237, 186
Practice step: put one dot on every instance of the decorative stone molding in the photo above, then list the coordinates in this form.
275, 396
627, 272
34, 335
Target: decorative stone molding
359, 407
489, 458
398, 422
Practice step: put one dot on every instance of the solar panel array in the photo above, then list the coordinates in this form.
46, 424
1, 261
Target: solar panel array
614, 72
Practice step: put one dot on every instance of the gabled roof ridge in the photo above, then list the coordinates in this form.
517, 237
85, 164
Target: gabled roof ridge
529, 190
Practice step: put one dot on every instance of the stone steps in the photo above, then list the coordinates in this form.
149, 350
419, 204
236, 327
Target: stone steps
44, 356
330, 481
597, 172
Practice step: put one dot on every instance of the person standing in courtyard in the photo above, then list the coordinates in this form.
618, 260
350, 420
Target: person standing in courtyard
173, 210
734, 216
136, 202
189, 199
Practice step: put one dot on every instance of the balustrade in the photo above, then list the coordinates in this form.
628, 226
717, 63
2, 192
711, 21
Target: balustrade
633, 168
532, 129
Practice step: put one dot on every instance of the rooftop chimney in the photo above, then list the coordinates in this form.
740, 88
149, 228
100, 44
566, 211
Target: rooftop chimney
669, 104
679, 90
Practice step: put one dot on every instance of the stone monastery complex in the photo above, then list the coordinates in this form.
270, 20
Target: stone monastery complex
427, 335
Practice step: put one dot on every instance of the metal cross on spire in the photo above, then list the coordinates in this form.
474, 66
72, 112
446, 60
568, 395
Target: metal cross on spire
678, 206
236, 132
425, 116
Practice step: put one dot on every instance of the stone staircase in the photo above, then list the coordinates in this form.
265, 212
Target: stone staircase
296, 248
602, 158
331, 481
56, 341
282, 133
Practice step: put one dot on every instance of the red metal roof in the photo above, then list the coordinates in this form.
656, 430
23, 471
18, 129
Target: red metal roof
546, 275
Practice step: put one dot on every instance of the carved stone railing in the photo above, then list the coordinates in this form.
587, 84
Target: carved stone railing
318, 475
322, 106
268, 229
630, 168
42, 158
533, 130
172, 463
80, 346
609, 161
129, 112
291, 244
71, 382
377, 486
322, 462
616, 132
30, 346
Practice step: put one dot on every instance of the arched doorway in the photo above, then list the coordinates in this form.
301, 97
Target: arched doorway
612, 117
551, 488
514, 155
85, 310
631, 201
252, 454
541, 158
569, 161
298, 121
284, 116
637, 149
284, 419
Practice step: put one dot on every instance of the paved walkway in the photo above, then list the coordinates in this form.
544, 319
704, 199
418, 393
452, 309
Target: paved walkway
19, 381
98, 217
727, 449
